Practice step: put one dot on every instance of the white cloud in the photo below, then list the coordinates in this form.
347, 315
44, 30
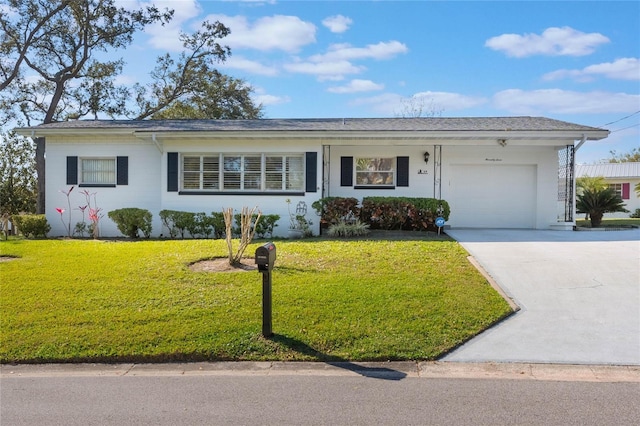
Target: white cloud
167, 37
337, 23
380, 51
557, 101
336, 62
278, 32
620, 69
271, 99
390, 104
253, 67
355, 86
554, 41
325, 70
448, 101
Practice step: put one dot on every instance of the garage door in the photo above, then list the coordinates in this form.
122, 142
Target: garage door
492, 196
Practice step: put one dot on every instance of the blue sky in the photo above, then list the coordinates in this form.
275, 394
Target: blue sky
576, 61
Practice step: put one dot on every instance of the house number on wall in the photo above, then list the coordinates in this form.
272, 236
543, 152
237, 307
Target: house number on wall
423, 172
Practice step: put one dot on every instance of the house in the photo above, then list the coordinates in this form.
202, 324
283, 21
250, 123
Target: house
496, 172
622, 177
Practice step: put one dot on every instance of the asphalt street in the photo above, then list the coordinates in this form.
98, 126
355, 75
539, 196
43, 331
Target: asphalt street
319, 394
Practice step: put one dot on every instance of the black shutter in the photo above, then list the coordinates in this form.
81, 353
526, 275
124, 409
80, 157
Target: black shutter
346, 171
311, 171
122, 170
72, 170
402, 164
172, 171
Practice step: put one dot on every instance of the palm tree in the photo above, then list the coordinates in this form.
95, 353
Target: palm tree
598, 201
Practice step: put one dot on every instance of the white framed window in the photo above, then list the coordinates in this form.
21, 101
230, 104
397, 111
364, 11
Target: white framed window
617, 187
375, 171
242, 172
98, 171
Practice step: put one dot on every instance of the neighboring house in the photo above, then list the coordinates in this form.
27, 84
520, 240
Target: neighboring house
500, 172
622, 177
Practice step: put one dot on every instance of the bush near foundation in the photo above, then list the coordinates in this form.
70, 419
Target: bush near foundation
131, 221
31, 225
336, 210
402, 213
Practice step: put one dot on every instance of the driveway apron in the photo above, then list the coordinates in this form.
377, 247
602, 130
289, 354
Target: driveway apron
579, 294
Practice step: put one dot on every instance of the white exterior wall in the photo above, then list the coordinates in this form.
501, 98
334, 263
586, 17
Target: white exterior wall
267, 203
543, 160
631, 204
141, 191
420, 185
147, 176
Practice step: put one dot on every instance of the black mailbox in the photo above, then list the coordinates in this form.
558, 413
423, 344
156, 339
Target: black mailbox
266, 257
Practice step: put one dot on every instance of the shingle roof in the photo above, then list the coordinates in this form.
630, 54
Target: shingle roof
331, 124
609, 170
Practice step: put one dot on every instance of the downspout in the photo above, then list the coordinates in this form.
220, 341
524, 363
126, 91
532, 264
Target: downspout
155, 141
582, 141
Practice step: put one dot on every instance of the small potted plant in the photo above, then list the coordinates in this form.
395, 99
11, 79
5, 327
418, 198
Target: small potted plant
299, 225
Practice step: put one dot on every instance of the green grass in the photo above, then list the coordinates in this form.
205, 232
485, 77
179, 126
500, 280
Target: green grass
109, 301
610, 222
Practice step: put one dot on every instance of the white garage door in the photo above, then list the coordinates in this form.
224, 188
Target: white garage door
492, 196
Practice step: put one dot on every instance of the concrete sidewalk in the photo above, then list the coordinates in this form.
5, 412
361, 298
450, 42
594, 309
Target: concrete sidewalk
393, 371
579, 294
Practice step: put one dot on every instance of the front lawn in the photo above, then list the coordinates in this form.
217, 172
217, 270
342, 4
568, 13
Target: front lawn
613, 223
110, 301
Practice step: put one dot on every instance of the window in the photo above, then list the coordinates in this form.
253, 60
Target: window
375, 172
617, 187
622, 189
242, 172
98, 171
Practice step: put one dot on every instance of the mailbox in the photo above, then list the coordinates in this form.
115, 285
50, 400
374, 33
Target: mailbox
266, 257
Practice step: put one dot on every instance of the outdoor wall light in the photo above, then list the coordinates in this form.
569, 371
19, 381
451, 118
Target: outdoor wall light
426, 157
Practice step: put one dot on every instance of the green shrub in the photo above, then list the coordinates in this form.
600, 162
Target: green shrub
201, 226
177, 222
131, 221
402, 212
32, 225
635, 214
333, 210
264, 227
217, 220
346, 229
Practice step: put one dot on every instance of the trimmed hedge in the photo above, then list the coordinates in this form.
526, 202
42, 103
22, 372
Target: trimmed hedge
403, 213
334, 210
264, 227
31, 225
131, 221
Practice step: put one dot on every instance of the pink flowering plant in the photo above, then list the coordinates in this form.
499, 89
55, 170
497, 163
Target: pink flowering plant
90, 208
95, 213
81, 227
61, 211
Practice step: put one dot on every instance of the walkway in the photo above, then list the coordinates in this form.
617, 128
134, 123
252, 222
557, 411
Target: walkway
579, 294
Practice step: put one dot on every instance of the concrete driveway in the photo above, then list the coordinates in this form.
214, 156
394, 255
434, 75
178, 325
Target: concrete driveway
579, 294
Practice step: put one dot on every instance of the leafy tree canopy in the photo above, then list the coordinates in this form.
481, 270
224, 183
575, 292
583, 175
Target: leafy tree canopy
49, 71
17, 181
628, 157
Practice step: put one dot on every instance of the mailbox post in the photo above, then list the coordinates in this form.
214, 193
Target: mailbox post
265, 258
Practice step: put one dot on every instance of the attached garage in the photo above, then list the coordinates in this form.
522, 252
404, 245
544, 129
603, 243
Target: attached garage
493, 195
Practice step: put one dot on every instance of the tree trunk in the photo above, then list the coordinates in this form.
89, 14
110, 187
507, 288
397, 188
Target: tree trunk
596, 219
40, 189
